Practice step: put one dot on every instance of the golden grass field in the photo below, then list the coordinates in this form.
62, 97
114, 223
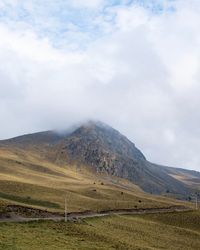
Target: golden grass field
180, 230
28, 179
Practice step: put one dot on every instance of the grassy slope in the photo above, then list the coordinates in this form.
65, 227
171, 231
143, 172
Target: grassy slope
161, 231
28, 179
190, 178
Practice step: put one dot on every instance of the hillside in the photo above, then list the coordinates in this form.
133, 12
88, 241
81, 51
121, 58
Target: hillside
28, 179
103, 150
157, 231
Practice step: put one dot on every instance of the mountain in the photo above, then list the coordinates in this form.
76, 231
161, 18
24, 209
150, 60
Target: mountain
103, 149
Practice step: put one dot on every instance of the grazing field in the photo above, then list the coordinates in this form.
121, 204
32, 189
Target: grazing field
179, 230
28, 179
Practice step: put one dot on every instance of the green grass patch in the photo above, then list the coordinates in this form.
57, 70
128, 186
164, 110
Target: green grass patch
159, 231
28, 200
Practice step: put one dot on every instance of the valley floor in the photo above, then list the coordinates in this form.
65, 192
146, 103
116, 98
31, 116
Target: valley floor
179, 230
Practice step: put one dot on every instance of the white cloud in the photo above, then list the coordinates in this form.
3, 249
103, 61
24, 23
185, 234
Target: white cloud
86, 3
141, 76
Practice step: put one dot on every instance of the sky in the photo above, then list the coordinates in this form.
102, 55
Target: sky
133, 64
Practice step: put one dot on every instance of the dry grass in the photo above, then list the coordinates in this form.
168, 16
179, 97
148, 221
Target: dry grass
26, 178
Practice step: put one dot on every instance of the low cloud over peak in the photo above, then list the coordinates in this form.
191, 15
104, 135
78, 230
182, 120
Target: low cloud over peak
131, 66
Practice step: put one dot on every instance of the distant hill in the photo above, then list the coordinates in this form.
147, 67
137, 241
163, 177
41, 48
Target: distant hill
104, 150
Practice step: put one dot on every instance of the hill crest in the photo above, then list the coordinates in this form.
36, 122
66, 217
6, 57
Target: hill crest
104, 149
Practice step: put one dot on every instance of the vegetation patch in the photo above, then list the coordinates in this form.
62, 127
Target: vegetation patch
28, 200
180, 230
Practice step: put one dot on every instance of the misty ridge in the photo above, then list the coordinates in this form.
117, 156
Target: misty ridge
99, 125
138, 72
105, 150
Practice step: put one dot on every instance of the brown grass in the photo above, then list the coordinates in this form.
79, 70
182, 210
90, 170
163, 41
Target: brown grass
27, 178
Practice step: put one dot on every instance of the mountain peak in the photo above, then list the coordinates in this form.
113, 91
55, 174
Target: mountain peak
93, 124
107, 137
102, 148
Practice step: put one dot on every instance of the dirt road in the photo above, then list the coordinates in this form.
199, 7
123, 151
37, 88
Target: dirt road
14, 217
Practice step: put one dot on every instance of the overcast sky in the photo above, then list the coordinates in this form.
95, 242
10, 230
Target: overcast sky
132, 64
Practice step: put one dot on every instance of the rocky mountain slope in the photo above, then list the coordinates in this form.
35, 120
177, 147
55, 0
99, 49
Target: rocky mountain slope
103, 149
